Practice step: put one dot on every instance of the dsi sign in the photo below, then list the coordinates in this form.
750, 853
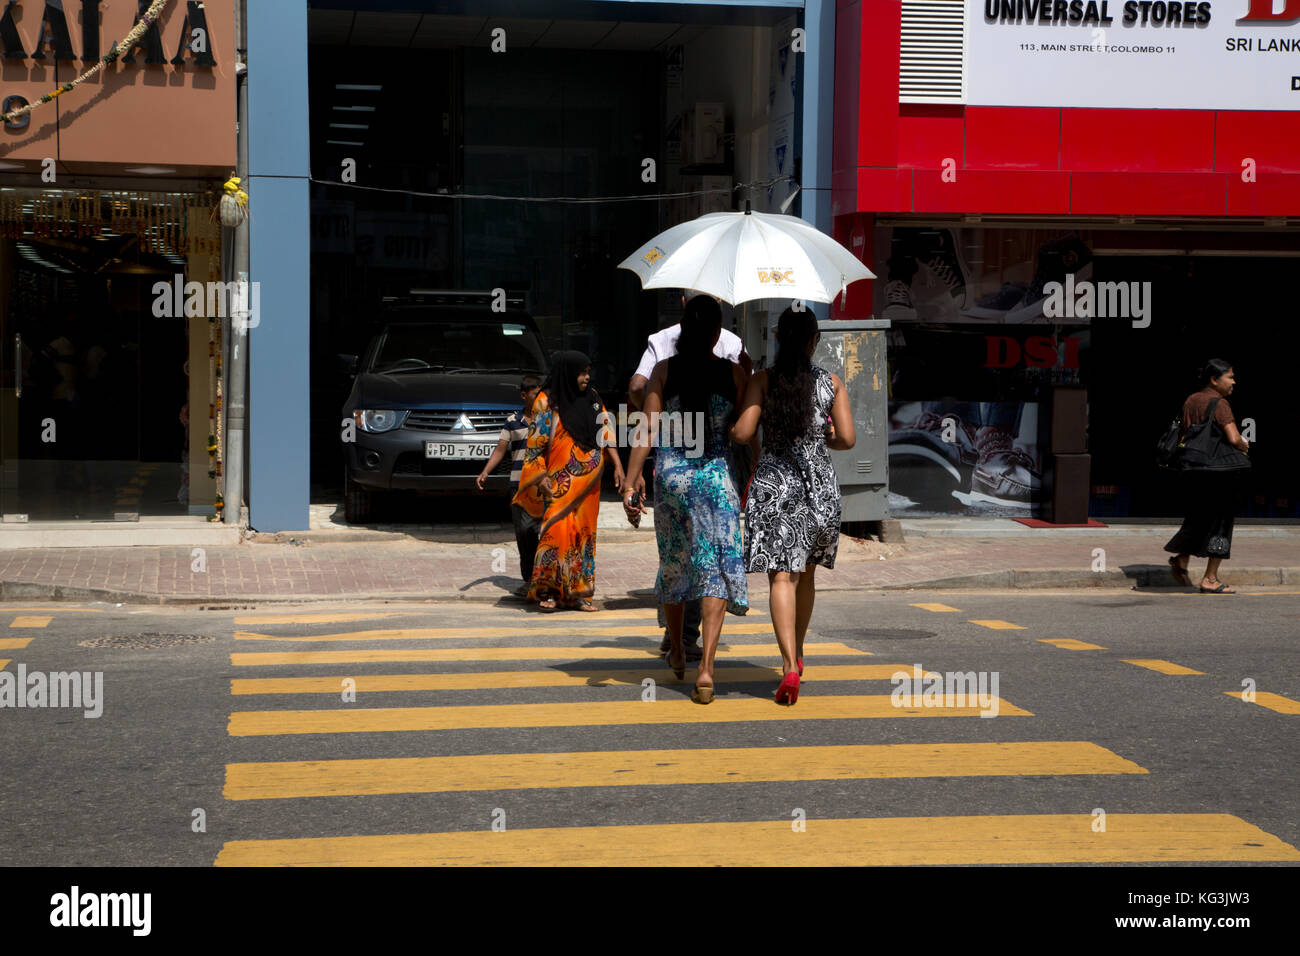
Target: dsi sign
1142, 54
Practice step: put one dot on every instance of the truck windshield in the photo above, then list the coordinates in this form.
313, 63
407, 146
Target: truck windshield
464, 345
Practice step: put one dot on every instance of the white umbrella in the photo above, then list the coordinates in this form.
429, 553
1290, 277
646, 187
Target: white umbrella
740, 256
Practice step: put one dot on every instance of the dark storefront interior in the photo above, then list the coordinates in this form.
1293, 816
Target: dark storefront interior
1213, 294
96, 383
423, 105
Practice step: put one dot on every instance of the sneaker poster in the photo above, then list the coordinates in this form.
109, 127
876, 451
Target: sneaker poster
994, 276
974, 458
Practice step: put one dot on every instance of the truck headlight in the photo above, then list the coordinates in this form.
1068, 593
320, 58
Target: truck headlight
379, 419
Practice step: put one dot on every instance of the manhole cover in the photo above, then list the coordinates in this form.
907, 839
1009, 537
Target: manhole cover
879, 634
147, 640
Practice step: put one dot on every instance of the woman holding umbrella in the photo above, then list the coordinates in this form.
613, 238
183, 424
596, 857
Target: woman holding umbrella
792, 517
568, 441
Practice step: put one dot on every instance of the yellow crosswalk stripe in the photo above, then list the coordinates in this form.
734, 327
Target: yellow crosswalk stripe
61, 610
639, 768
456, 633
381, 683
1070, 644
1164, 667
14, 643
465, 654
678, 710
938, 608
998, 625
890, 841
340, 617
3, 663
1283, 705
31, 621
345, 614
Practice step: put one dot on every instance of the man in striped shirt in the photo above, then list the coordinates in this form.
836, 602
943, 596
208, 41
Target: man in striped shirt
514, 438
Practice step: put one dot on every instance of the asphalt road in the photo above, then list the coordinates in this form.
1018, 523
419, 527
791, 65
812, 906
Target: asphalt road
214, 750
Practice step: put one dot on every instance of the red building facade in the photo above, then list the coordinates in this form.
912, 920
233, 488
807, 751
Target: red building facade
1195, 203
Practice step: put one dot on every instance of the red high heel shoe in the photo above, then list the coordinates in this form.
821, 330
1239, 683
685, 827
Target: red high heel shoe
788, 692
799, 663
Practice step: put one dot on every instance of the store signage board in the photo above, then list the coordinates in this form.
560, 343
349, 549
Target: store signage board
181, 74
1137, 54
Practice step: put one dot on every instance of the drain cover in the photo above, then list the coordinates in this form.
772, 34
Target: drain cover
879, 634
147, 640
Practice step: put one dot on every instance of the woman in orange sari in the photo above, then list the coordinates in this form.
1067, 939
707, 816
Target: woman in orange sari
568, 441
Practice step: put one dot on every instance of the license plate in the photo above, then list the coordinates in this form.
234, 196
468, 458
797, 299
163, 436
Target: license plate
458, 449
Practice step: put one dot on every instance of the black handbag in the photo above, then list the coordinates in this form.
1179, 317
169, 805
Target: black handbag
1204, 447
1167, 446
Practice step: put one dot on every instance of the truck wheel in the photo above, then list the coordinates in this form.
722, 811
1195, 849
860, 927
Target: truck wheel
358, 502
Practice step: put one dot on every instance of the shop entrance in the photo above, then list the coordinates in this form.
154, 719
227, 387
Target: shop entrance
93, 383
442, 162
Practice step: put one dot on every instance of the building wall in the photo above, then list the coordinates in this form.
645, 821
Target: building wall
279, 420
890, 157
162, 114
1043, 161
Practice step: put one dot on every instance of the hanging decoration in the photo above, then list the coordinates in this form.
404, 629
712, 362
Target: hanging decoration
234, 203
156, 219
146, 20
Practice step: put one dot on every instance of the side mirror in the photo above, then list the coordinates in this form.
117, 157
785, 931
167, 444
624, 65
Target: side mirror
349, 363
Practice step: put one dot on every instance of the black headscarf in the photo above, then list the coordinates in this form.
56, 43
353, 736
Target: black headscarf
577, 409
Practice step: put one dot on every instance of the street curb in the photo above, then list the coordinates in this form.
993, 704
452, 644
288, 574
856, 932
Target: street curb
482, 536
1005, 580
27, 591
1156, 576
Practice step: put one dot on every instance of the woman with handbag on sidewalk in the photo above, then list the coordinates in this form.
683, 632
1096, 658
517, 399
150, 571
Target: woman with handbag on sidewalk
1212, 458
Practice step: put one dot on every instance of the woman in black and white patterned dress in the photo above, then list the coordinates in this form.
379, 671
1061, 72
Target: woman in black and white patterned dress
792, 517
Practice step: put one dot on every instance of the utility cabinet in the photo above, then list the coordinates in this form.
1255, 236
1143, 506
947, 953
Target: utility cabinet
854, 349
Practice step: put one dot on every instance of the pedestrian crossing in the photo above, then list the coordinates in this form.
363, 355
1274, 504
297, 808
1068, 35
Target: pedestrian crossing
889, 841
21, 622
634, 768
602, 672
647, 651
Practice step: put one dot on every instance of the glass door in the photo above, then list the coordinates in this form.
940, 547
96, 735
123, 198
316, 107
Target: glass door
94, 360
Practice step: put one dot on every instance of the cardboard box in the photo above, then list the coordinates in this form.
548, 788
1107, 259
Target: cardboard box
702, 134
710, 129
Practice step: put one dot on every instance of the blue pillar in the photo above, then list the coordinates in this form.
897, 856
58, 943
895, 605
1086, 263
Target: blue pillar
279, 460
818, 118
818, 111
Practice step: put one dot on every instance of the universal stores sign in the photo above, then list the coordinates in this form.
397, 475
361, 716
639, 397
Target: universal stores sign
1142, 54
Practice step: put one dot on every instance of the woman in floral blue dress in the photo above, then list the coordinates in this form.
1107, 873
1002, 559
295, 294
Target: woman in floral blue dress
697, 508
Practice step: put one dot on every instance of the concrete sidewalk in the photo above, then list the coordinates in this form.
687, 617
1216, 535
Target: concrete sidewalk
482, 565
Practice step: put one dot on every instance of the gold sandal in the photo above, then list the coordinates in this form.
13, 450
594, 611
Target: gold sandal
703, 694
679, 670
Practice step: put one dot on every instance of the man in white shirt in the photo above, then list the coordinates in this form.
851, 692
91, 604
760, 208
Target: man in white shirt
663, 344
659, 346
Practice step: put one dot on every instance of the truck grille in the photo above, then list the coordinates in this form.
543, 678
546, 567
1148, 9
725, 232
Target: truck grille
439, 420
